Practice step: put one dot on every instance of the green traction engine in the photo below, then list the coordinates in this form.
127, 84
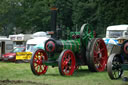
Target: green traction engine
80, 49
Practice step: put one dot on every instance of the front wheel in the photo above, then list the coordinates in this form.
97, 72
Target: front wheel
66, 63
36, 63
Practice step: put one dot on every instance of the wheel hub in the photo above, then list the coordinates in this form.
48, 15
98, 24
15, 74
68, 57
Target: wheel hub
39, 62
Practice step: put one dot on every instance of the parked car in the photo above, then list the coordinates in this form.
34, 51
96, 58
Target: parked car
11, 56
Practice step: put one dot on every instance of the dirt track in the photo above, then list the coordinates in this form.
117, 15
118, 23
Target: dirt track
15, 82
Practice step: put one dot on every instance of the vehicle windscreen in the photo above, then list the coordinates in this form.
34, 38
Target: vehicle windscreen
30, 47
17, 50
115, 33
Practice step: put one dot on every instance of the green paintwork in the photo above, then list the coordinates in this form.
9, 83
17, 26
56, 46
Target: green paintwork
124, 66
73, 33
51, 63
52, 60
73, 45
87, 34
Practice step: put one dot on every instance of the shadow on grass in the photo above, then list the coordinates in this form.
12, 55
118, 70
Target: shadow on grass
77, 73
82, 72
6, 62
52, 75
15, 62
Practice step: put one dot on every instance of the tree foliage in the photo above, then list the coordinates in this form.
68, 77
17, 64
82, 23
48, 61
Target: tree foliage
28, 16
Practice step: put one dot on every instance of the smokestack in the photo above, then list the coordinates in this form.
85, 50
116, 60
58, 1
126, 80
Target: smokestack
53, 20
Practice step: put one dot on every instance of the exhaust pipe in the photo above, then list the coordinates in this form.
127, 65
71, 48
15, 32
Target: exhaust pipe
53, 21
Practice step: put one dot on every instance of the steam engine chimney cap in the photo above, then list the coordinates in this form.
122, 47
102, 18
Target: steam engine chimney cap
54, 8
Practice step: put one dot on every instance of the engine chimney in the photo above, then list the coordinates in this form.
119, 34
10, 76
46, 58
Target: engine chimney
53, 21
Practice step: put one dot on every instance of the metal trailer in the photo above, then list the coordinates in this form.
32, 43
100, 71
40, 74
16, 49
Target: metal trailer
80, 49
6, 45
20, 39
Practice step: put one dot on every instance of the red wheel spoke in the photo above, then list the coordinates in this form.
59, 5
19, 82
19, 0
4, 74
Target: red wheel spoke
101, 50
36, 65
95, 54
36, 57
102, 58
64, 64
96, 61
66, 69
35, 61
68, 59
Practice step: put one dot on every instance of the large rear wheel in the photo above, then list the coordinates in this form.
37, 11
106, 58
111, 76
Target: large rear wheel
37, 60
97, 56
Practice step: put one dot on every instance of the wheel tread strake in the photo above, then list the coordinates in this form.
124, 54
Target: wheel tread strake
97, 55
88, 52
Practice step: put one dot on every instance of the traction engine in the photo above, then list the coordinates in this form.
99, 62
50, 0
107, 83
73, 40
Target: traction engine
80, 49
118, 60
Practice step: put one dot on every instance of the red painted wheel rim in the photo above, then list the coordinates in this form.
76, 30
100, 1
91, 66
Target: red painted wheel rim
39, 57
100, 55
68, 63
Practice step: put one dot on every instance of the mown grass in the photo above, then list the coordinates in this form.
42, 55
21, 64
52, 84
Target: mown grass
20, 74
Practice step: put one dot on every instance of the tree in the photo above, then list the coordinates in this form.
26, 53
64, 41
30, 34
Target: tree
36, 15
29, 16
84, 12
64, 13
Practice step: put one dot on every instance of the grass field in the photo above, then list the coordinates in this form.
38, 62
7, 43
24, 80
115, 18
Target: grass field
20, 74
